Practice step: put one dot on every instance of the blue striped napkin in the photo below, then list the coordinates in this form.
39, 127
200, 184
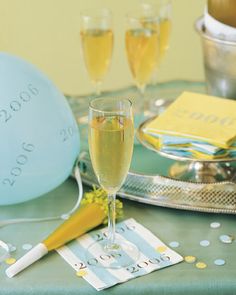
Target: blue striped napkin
154, 255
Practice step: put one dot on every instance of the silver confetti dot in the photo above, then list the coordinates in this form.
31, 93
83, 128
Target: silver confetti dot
215, 225
27, 246
226, 239
219, 262
174, 244
204, 243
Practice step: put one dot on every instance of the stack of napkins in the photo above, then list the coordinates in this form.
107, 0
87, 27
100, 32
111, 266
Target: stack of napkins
197, 126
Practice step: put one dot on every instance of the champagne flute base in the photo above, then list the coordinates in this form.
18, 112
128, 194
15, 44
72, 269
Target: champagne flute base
117, 255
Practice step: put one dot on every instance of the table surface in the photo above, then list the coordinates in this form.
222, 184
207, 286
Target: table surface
52, 275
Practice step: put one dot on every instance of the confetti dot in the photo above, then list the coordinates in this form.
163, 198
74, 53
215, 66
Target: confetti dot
10, 260
11, 247
219, 262
215, 225
226, 239
174, 244
204, 243
190, 259
161, 249
201, 265
81, 273
27, 246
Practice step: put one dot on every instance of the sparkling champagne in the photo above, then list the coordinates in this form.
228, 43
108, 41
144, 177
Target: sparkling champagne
165, 27
142, 46
111, 147
97, 48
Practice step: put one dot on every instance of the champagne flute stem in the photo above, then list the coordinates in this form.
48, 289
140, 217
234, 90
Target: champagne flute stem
111, 220
142, 90
97, 86
141, 98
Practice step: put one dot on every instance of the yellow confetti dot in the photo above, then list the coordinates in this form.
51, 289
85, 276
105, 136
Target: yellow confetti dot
201, 265
81, 273
190, 259
10, 260
161, 249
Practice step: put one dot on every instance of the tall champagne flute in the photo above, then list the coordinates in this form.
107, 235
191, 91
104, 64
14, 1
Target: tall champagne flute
142, 47
97, 43
111, 136
164, 11
164, 8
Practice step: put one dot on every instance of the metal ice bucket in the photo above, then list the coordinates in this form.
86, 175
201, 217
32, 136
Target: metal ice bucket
219, 63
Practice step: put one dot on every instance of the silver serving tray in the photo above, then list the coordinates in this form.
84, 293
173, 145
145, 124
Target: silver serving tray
163, 191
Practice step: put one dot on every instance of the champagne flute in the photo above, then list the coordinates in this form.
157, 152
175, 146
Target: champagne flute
97, 43
142, 47
111, 136
163, 8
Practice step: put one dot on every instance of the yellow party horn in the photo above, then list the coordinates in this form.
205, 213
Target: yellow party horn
92, 213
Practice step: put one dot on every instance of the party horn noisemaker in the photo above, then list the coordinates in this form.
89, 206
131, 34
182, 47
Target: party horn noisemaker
90, 215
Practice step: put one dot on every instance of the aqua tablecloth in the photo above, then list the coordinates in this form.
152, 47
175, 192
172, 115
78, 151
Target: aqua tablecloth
52, 275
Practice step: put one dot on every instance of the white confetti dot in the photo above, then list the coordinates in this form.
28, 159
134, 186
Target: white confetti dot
226, 239
204, 243
174, 244
219, 262
215, 225
27, 246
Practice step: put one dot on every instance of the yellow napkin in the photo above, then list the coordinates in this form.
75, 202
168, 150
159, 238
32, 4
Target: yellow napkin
198, 117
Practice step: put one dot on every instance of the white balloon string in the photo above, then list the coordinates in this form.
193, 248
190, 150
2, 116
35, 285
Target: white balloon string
66, 215
80, 195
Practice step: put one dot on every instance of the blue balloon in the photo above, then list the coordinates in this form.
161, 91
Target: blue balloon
39, 135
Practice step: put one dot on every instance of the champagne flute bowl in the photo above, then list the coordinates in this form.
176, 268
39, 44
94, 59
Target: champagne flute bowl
142, 48
97, 43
